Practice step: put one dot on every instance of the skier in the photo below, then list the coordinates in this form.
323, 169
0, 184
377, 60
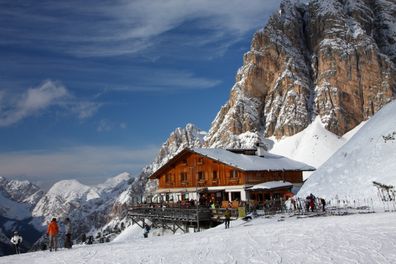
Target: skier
16, 240
83, 238
146, 230
68, 233
52, 232
312, 202
227, 215
323, 202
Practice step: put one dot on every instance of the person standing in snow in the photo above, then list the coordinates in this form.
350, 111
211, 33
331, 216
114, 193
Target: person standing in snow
227, 216
68, 233
312, 202
16, 240
323, 202
52, 233
146, 230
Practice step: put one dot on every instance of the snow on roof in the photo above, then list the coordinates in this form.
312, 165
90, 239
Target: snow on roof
271, 185
268, 162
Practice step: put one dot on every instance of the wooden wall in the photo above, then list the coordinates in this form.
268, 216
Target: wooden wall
193, 166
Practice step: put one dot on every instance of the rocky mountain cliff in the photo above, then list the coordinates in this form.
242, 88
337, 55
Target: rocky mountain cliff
189, 136
334, 59
20, 191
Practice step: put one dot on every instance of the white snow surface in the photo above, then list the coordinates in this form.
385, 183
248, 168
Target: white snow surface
368, 156
314, 145
360, 238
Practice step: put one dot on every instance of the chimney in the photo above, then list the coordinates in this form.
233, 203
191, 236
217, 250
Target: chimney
260, 150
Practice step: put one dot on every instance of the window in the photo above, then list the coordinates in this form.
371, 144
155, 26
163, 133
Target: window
168, 178
233, 174
200, 160
201, 176
215, 176
183, 176
184, 162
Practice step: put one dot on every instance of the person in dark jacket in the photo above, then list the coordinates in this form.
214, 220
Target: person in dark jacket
16, 240
146, 230
68, 233
227, 217
323, 202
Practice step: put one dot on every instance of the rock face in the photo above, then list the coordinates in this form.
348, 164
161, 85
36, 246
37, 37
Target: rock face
334, 59
190, 136
20, 191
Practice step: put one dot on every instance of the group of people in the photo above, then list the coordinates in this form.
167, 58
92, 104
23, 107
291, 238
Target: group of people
310, 203
53, 231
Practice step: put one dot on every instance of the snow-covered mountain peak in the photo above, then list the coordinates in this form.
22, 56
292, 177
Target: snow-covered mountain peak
314, 145
69, 189
113, 182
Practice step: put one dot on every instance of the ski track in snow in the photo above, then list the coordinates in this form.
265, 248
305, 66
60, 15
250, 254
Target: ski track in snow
369, 238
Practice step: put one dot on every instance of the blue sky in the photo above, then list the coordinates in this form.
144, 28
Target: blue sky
89, 89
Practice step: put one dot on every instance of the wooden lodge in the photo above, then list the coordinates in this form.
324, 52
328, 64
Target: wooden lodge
222, 176
196, 186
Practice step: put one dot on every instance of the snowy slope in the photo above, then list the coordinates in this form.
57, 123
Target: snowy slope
368, 156
335, 239
14, 210
314, 145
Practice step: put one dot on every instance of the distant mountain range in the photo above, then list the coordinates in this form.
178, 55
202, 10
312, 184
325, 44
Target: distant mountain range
27, 209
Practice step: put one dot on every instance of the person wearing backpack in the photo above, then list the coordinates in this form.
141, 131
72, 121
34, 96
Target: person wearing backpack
16, 240
68, 233
52, 233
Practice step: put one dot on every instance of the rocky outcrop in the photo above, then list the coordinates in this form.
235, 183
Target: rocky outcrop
21, 191
189, 136
334, 59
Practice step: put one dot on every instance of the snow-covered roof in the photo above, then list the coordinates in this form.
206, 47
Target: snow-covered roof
268, 162
271, 185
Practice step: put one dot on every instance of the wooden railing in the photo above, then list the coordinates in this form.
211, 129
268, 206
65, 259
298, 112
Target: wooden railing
171, 213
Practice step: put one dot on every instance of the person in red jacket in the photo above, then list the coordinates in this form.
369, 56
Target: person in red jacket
52, 232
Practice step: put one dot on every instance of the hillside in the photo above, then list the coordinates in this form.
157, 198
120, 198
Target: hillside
314, 145
369, 156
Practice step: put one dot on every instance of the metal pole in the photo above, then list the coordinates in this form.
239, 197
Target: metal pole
196, 189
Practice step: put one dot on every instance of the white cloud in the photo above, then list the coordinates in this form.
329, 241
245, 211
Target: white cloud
89, 164
132, 26
165, 80
34, 101
104, 126
85, 109
123, 125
